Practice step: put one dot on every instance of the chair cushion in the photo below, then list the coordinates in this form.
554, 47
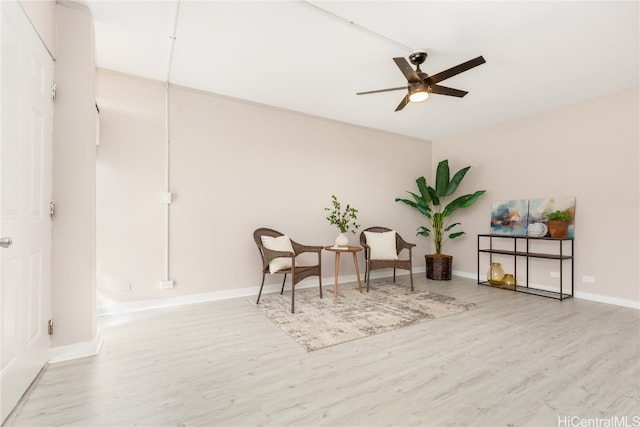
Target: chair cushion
383, 245
280, 243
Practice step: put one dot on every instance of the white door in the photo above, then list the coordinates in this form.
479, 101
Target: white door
26, 120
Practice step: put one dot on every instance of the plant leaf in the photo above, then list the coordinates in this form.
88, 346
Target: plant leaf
419, 205
454, 205
471, 200
423, 231
455, 181
434, 196
424, 190
462, 202
407, 202
442, 178
418, 199
451, 226
458, 234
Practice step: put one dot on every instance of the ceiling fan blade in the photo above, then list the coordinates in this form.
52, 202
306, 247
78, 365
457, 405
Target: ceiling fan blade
382, 90
409, 73
443, 90
455, 70
404, 102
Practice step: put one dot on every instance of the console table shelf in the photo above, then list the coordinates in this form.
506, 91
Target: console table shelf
529, 254
518, 251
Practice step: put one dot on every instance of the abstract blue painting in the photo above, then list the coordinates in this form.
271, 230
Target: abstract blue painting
513, 217
510, 217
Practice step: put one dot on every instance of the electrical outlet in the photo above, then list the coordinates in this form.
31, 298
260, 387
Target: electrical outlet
554, 274
588, 279
166, 284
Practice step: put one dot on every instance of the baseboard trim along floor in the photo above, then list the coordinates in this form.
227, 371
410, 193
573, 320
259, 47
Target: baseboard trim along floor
130, 307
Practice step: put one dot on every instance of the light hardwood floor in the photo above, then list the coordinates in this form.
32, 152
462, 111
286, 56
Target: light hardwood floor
516, 360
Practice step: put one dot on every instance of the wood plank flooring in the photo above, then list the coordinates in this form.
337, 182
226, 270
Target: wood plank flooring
517, 360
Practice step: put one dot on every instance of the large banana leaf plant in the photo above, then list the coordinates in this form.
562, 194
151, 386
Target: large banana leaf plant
432, 203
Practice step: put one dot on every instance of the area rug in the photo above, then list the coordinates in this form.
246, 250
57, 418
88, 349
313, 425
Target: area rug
319, 323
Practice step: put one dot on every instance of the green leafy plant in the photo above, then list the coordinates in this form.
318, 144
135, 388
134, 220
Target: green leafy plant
432, 203
345, 219
559, 216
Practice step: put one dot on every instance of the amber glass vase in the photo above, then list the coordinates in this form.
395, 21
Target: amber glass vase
495, 274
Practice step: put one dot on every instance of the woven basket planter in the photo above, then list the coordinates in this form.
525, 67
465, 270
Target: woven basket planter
439, 266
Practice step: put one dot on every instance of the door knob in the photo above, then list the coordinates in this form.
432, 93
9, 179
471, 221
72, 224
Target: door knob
5, 242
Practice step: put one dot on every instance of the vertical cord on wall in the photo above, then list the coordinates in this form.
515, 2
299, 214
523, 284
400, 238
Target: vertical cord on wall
167, 188
167, 282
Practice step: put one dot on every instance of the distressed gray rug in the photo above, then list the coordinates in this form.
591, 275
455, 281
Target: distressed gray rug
319, 323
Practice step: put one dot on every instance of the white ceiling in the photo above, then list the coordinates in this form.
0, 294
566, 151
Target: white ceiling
292, 55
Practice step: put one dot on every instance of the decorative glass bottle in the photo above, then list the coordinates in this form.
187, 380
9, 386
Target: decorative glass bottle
495, 274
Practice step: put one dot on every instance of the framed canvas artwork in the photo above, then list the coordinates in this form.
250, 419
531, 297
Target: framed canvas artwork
540, 208
529, 217
509, 217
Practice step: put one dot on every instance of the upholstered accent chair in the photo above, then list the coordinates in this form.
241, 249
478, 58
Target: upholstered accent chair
382, 248
278, 253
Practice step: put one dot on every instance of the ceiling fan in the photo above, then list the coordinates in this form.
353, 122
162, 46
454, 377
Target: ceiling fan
421, 85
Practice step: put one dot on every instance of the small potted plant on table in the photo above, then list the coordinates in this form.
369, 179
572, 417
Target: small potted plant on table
345, 220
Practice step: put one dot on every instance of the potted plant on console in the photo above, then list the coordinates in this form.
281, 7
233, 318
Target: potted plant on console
558, 223
432, 203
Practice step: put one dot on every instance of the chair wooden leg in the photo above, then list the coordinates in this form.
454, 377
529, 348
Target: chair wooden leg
367, 274
320, 272
411, 276
394, 275
293, 296
366, 268
260, 293
283, 280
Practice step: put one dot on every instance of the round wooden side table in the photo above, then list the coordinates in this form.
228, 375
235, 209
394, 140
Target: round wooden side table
338, 250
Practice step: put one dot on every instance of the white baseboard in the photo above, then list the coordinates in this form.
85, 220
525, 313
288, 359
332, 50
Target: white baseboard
76, 351
124, 308
608, 300
464, 274
576, 294
129, 307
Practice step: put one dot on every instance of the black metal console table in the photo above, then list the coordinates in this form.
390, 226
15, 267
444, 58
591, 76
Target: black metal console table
518, 251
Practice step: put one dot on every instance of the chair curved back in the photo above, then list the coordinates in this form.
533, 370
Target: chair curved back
400, 242
374, 264
363, 240
298, 272
257, 237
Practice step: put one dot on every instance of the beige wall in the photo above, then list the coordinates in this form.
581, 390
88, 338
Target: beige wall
588, 150
235, 166
73, 302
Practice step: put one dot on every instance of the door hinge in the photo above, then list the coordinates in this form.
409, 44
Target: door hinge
52, 209
53, 90
5, 242
50, 327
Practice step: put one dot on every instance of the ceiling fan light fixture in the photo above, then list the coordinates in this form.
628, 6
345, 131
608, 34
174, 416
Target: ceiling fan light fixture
418, 93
